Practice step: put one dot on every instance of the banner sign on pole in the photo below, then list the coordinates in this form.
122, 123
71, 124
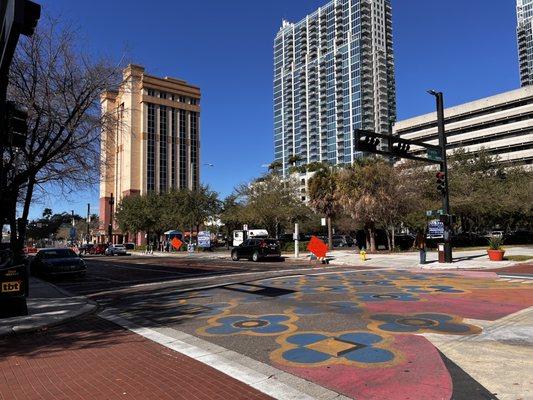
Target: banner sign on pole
204, 239
435, 228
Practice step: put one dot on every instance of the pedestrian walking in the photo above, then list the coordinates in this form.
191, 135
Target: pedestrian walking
420, 244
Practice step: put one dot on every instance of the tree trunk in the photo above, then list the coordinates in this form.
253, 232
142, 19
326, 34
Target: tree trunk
19, 246
330, 234
389, 243
372, 235
393, 234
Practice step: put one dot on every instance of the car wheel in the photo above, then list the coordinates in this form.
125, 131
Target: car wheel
234, 256
255, 256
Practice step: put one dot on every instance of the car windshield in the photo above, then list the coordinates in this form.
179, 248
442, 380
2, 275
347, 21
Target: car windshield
57, 253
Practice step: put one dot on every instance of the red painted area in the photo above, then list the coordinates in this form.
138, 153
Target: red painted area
477, 304
317, 247
421, 375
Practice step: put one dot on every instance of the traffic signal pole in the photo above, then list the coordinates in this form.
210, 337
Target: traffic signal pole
369, 142
448, 257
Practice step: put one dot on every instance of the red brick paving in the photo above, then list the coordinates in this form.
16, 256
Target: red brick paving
93, 359
519, 269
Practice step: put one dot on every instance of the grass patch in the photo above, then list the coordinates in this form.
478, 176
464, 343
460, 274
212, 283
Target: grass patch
518, 258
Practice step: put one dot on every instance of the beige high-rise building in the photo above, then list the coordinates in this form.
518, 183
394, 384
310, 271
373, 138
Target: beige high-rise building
152, 143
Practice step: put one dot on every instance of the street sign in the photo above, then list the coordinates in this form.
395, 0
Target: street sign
204, 239
323, 221
176, 243
434, 154
436, 228
245, 227
317, 247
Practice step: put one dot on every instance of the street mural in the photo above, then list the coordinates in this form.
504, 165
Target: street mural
379, 349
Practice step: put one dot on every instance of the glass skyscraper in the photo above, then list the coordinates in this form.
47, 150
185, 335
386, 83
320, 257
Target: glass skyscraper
333, 73
524, 11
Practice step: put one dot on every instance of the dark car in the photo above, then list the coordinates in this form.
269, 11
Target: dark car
86, 248
342, 241
13, 285
54, 262
256, 249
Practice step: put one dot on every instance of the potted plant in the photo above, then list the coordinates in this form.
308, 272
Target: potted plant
495, 250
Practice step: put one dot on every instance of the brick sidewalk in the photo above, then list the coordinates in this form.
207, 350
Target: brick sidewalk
94, 359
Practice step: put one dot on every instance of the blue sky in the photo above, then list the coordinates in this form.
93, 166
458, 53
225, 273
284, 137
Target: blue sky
467, 49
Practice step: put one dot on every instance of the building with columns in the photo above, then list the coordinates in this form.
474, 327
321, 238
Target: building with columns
151, 142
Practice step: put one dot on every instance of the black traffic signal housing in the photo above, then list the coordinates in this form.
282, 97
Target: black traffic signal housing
365, 142
400, 148
441, 182
16, 125
28, 16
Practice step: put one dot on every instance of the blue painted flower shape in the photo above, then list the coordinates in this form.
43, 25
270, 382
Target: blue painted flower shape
440, 323
387, 296
260, 325
313, 348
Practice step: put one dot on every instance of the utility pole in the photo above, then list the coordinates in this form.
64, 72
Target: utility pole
110, 226
439, 97
88, 221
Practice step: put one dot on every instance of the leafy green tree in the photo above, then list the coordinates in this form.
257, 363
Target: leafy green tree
324, 196
484, 194
367, 190
271, 202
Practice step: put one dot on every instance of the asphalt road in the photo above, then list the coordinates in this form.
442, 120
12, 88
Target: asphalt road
109, 274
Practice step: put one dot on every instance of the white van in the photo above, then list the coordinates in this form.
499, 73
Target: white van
238, 236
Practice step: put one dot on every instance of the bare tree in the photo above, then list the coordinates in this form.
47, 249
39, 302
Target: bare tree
61, 86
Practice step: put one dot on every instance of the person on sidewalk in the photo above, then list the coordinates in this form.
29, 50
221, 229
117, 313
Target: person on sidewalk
420, 244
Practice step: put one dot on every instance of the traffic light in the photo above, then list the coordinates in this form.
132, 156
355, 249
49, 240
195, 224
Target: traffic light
400, 148
366, 142
441, 182
16, 125
28, 16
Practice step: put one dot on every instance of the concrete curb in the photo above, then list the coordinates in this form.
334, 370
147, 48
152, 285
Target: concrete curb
34, 322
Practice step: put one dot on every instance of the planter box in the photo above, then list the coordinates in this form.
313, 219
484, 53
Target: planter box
496, 255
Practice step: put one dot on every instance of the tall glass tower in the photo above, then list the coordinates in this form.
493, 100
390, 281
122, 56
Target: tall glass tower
333, 73
524, 11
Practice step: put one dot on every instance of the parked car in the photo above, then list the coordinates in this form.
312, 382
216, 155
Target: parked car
59, 261
86, 248
256, 249
116, 250
98, 249
343, 241
129, 246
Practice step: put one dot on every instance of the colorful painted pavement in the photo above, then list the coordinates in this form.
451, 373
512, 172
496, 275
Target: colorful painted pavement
359, 333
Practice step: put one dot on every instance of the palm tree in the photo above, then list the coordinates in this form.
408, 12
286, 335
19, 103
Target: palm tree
324, 196
293, 159
275, 166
